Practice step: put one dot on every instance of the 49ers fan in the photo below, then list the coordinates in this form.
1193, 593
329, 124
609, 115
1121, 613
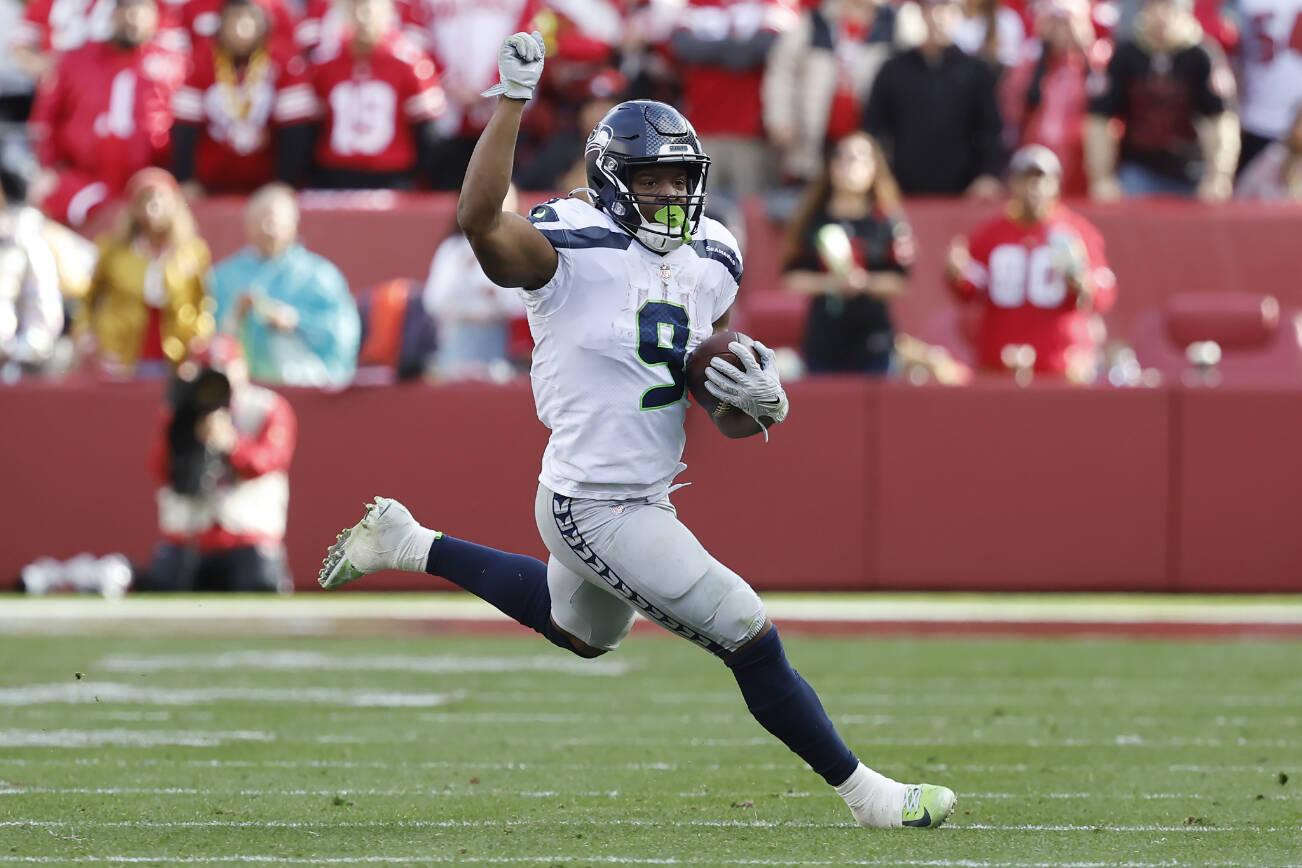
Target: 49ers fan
380, 95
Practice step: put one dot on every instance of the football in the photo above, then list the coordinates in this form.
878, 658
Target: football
727, 418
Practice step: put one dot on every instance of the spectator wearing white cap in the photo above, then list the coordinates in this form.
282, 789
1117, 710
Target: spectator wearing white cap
1173, 93
1039, 276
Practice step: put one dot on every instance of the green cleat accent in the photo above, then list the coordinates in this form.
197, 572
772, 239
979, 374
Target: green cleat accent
926, 806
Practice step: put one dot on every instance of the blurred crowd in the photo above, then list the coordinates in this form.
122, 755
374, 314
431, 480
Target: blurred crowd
836, 111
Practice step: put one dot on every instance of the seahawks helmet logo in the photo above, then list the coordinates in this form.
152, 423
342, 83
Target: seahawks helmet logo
600, 138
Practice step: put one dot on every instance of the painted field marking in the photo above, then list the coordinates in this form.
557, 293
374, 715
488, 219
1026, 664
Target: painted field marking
622, 860
581, 823
125, 737
292, 660
625, 860
90, 692
490, 791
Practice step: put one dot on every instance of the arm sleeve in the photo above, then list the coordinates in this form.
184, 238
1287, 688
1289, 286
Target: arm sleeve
272, 448
879, 109
185, 139
1110, 100
988, 135
975, 279
294, 145
1101, 274
331, 327
1214, 79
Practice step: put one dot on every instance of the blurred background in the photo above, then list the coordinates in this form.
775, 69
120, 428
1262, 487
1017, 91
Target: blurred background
1032, 269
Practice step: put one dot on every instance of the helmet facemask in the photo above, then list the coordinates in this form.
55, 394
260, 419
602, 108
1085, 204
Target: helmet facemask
615, 155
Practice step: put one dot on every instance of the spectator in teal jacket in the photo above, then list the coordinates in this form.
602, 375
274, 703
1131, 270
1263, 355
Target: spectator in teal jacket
290, 308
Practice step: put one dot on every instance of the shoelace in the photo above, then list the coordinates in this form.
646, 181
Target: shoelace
912, 800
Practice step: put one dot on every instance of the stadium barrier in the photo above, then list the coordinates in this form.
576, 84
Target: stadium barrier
867, 486
1157, 248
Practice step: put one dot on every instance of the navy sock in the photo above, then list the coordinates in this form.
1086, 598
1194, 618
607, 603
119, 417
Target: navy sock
515, 584
787, 706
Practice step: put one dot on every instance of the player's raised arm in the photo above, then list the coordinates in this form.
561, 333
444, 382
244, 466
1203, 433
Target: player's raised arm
509, 249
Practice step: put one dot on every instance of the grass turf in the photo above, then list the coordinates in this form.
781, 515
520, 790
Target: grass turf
507, 751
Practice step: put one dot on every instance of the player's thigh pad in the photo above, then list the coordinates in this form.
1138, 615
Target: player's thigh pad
641, 552
591, 614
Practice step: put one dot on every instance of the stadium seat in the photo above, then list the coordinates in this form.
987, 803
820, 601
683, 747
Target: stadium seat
1260, 342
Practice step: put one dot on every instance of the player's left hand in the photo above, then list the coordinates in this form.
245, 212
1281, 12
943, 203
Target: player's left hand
756, 391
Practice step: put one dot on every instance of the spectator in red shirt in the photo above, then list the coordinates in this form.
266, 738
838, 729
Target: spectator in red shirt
200, 21
1038, 273
244, 115
52, 27
221, 457
380, 96
820, 72
1044, 100
104, 114
324, 23
464, 38
722, 46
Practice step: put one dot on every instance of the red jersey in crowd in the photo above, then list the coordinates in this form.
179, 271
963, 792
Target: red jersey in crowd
324, 23
1016, 275
63, 25
464, 38
104, 113
720, 100
238, 111
200, 20
371, 104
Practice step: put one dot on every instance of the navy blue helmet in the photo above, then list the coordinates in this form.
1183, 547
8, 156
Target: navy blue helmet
634, 135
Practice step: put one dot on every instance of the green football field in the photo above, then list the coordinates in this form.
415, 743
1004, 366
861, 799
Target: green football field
503, 750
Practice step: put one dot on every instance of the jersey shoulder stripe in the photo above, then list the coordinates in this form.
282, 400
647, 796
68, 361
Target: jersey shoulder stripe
588, 236
574, 224
718, 243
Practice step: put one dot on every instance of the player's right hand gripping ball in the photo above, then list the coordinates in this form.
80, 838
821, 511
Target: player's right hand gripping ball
519, 65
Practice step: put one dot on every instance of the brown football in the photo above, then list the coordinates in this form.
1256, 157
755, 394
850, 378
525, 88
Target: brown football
727, 418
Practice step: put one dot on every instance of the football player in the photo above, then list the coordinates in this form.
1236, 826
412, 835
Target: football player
618, 290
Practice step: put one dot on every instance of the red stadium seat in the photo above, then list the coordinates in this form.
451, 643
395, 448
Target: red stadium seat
1260, 342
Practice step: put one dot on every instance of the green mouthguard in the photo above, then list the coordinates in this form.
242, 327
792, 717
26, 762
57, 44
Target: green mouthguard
671, 215
674, 217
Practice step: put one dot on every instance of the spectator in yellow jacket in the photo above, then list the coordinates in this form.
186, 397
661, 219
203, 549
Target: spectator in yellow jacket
148, 297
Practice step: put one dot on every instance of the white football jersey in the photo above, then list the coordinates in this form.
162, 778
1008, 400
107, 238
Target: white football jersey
1272, 65
611, 330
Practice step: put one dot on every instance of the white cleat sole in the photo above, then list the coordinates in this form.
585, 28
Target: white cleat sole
336, 569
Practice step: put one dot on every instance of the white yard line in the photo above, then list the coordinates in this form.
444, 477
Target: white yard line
90, 692
625, 860
426, 859
606, 822
124, 737
490, 791
311, 612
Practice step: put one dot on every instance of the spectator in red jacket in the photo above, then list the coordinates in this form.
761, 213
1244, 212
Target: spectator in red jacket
464, 38
200, 21
244, 115
1039, 275
380, 96
722, 47
104, 114
52, 27
221, 456
1044, 100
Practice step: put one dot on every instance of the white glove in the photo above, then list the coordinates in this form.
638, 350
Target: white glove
756, 391
519, 65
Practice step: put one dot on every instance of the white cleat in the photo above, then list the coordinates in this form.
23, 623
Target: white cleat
387, 538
